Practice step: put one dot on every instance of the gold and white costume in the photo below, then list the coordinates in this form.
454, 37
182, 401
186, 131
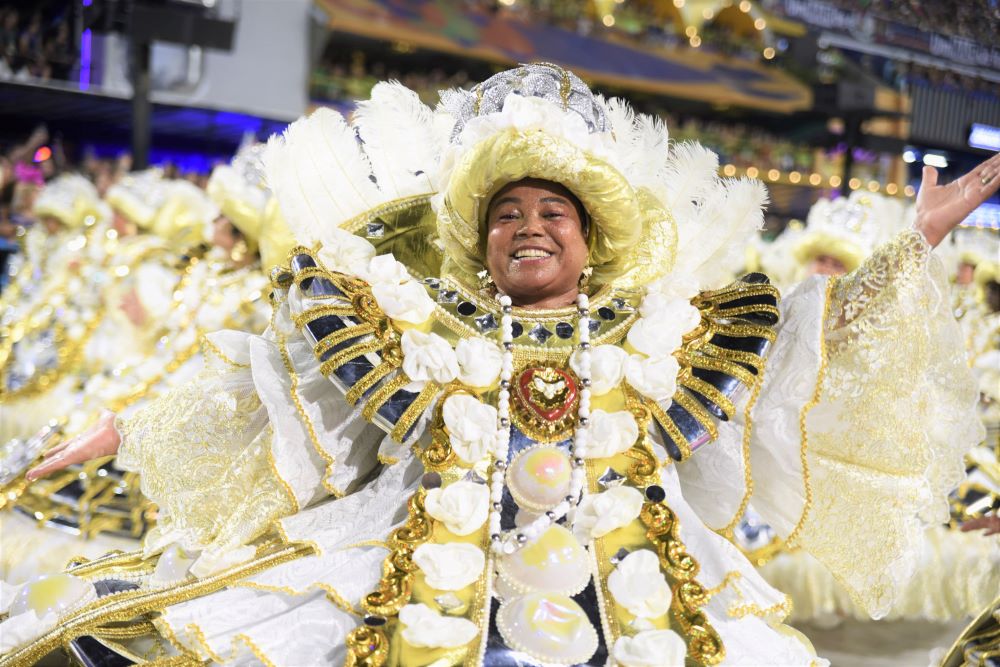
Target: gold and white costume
212, 294
328, 490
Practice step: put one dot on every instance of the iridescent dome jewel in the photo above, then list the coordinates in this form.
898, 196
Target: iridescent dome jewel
538, 478
556, 562
550, 628
57, 593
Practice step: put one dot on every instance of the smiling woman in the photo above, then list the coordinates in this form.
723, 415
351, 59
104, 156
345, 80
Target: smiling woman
536, 246
579, 467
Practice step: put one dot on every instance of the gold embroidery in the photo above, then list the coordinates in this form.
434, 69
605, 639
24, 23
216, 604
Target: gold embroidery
383, 394
394, 589
803, 433
293, 392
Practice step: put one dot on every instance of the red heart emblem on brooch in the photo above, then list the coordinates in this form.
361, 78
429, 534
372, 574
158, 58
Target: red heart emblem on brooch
547, 392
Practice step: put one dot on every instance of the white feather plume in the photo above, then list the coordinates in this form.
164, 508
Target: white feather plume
398, 136
651, 150
319, 175
689, 172
640, 141
729, 215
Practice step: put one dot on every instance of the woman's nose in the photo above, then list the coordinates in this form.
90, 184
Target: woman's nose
531, 225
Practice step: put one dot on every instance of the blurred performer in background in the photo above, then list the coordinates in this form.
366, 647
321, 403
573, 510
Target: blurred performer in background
221, 288
505, 408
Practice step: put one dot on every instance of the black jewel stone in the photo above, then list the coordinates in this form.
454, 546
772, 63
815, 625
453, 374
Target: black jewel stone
595, 325
466, 309
431, 480
375, 621
606, 313
564, 330
516, 329
655, 493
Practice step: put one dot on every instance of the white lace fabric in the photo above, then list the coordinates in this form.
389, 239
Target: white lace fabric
885, 431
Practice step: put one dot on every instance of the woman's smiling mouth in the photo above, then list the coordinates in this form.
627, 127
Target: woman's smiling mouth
522, 255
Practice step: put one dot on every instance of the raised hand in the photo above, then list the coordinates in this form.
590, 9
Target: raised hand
99, 440
941, 207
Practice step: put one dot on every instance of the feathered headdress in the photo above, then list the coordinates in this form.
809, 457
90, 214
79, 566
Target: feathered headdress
403, 175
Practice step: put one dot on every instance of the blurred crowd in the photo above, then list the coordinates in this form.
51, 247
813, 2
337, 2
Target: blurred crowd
978, 20
37, 44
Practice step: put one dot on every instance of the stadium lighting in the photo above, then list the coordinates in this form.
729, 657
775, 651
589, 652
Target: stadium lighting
935, 160
986, 137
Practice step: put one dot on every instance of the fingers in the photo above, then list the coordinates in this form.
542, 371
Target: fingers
990, 523
60, 447
929, 178
989, 175
57, 462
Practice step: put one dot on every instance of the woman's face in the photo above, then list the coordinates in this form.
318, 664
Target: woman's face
827, 265
223, 234
536, 248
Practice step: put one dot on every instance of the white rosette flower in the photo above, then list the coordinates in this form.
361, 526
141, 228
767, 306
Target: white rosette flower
680, 312
653, 378
611, 433
385, 270
638, 585
450, 567
650, 648
607, 367
600, 513
427, 356
424, 627
472, 426
479, 362
461, 506
675, 285
406, 302
346, 253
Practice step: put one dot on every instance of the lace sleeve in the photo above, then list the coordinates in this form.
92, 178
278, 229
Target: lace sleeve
863, 435
204, 454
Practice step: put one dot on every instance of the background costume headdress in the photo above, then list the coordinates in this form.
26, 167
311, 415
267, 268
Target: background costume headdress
849, 228
238, 190
185, 214
138, 196
72, 200
400, 174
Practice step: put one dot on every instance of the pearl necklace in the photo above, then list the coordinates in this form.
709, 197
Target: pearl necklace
511, 542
